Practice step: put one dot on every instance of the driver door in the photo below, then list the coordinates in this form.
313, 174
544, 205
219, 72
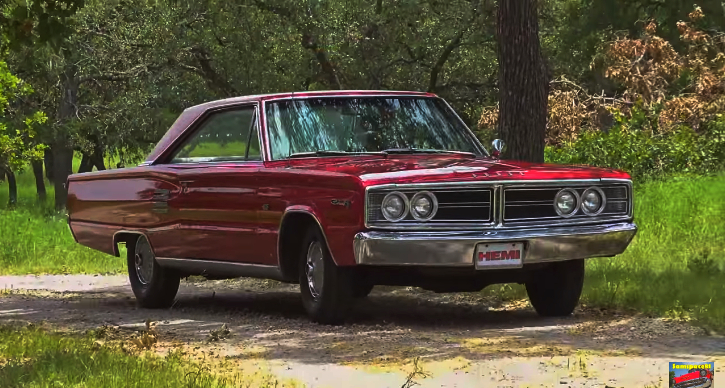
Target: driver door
217, 168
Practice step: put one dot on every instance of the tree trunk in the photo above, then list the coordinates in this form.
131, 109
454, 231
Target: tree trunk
86, 164
523, 81
48, 161
12, 187
63, 163
62, 150
97, 157
39, 181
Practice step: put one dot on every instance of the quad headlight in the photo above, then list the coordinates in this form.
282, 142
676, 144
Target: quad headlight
566, 202
593, 201
423, 206
395, 206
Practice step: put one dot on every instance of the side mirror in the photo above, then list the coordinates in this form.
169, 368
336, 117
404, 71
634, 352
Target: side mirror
497, 145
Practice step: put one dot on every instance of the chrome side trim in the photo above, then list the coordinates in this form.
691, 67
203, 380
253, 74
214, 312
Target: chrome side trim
279, 233
221, 268
457, 248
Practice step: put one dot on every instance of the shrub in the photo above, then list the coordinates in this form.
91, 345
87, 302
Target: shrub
644, 153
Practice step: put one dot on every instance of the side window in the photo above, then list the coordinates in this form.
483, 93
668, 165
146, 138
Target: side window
224, 136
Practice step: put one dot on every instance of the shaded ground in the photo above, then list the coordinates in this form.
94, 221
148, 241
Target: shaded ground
462, 340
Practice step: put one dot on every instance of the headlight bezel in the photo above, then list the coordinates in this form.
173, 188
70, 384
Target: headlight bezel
602, 204
434, 205
577, 202
406, 206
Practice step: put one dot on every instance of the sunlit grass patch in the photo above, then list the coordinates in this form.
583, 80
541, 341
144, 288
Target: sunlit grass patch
33, 357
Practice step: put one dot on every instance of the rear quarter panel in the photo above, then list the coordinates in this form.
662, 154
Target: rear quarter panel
101, 204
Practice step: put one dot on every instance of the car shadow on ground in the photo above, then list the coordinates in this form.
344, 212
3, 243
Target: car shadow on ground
387, 327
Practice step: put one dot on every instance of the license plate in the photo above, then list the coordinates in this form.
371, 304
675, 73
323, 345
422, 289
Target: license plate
499, 255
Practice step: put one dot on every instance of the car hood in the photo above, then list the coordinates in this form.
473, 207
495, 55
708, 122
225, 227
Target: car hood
687, 377
443, 168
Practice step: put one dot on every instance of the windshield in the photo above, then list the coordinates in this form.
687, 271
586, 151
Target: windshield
365, 124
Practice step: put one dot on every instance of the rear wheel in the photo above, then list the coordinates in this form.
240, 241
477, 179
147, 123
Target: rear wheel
327, 290
153, 286
555, 290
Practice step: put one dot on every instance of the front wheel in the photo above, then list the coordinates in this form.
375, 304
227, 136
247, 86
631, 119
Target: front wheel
327, 290
555, 290
153, 285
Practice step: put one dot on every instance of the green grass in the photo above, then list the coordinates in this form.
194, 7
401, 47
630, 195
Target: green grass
35, 239
35, 358
675, 265
34, 242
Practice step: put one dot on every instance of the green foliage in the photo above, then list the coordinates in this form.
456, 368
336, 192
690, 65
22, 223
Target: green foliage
36, 21
634, 145
17, 145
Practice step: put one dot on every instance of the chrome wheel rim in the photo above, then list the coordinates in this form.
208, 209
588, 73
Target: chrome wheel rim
144, 261
315, 269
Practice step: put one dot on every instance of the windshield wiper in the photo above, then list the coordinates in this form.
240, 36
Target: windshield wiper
331, 153
425, 151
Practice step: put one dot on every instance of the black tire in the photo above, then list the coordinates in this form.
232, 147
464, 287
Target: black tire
330, 303
555, 290
157, 290
362, 289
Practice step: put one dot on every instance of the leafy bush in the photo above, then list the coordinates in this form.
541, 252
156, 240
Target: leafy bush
644, 153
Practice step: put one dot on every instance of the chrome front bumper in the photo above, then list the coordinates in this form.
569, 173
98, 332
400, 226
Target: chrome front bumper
457, 248
706, 384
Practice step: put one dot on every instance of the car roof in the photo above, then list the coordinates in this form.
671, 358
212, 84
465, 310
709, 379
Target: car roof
307, 94
190, 114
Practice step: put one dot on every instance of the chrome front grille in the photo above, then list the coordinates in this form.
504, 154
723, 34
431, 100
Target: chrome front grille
692, 383
503, 204
537, 204
455, 206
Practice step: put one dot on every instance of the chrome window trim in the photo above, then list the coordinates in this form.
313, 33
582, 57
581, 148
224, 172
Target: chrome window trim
497, 207
472, 136
195, 125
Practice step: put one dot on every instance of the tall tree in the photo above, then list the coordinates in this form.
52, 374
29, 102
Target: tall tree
523, 81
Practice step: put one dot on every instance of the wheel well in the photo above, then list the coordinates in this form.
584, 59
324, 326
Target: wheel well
124, 238
291, 234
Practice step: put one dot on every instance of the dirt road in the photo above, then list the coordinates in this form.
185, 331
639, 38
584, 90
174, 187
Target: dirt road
462, 340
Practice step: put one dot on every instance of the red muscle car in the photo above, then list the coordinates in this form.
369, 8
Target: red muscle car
695, 378
341, 191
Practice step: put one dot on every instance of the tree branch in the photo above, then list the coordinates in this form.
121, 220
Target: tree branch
118, 75
309, 42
